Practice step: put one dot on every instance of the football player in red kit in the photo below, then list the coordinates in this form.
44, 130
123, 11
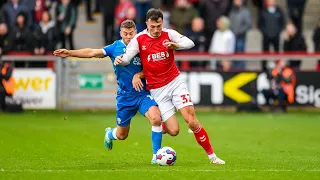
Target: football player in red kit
156, 47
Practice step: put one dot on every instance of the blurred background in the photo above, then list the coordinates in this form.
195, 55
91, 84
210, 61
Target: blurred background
248, 54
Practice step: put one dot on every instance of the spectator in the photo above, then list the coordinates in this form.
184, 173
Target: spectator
30, 4
121, 11
22, 36
210, 11
296, 11
241, 22
294, 42
6, 39
182, 9
76, 4
131, 14
223, 42
195, 33
142, 7
166, 17
282, 83
12, 8
89, 11
316, 41
108, 9
46, 35
39, 8
2, 18
98, 5
271, 23
66, 19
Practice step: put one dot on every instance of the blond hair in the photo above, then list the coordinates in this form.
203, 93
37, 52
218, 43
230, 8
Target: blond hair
128, 24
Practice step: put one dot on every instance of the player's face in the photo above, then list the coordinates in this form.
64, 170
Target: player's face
155, 27
127, 34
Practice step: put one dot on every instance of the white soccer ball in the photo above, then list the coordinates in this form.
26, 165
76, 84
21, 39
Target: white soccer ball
166, 156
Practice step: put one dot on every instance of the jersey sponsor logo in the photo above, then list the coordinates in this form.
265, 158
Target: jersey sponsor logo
158, 56
136, 61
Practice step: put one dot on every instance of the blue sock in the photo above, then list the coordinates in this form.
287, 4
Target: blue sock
113, 134
156, 138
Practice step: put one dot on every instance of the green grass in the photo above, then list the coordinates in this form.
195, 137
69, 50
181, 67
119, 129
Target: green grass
45, 145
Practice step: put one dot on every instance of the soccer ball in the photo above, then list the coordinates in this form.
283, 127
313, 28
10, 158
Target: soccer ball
166, 156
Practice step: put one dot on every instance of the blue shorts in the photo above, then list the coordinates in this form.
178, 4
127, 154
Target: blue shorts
128, 106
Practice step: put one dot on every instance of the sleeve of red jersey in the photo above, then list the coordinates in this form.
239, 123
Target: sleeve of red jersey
131, 50
183, 41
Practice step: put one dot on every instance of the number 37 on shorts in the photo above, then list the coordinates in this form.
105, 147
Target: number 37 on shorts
186, 98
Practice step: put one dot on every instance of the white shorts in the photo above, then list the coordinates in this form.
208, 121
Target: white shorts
174, 95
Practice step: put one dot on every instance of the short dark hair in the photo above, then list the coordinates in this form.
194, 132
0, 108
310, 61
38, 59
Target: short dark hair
154, 14
127, 24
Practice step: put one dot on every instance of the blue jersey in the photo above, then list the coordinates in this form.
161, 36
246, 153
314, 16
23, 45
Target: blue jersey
124, 74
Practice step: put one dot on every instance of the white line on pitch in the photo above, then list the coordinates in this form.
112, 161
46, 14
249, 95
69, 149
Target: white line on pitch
155, 170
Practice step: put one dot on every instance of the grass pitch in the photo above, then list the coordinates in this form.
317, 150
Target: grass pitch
69, 145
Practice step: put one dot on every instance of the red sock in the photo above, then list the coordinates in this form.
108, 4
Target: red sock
164, 129
202, 137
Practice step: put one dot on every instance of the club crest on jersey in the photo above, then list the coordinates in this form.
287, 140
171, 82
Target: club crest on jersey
136, 61
144, 48
165, 41
158, 56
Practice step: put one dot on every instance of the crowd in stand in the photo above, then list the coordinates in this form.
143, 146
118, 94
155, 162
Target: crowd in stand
36, 26
217, 26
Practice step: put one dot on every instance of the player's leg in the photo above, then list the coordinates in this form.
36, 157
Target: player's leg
167, 110
148, 107
125, 111
171, 125
182, 101
200, 133
120, 132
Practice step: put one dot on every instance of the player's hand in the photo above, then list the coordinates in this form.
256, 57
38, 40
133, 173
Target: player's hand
118, 60
171, 45
61, 52
137, 83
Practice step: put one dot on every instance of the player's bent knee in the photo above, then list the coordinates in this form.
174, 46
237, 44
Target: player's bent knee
173, 131
154, 116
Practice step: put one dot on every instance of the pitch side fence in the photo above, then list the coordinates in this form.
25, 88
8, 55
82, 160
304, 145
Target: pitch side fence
91, 83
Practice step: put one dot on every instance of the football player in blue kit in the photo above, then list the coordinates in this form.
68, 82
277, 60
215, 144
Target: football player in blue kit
129, 101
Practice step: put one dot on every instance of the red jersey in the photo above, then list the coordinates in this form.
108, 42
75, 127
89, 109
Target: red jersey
158, 63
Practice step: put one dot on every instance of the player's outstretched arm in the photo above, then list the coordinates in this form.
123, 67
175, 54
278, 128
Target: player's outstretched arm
179, 42
136, 81
81, 53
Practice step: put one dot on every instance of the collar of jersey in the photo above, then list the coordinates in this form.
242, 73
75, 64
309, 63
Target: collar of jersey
123, 42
